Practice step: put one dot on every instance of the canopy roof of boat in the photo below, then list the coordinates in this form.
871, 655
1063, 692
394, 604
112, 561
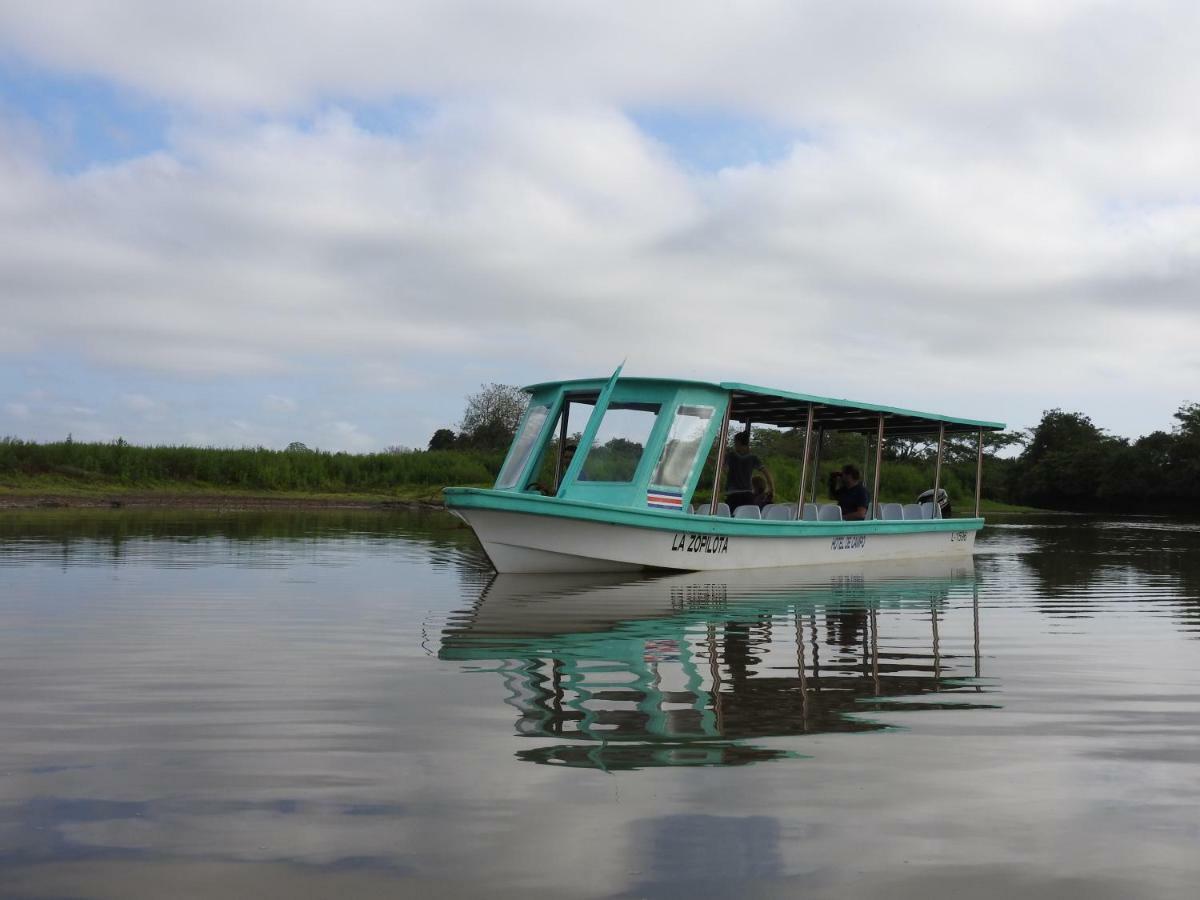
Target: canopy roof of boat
787, 409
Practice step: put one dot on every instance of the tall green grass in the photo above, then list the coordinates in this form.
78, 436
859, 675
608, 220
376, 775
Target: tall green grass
247, 468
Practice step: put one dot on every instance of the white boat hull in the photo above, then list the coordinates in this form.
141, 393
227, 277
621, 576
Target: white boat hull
524, 543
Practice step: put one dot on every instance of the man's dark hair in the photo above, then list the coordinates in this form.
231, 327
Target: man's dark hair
742, 438
852, 470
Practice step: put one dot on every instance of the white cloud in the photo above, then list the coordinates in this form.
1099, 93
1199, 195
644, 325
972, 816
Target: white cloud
138, 403
994, 208
276, 403
341, 435
17, 410
990, 66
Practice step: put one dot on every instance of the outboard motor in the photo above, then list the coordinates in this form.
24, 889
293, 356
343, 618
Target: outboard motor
943, 501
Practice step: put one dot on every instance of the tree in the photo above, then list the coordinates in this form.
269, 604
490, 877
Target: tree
491, 417
1065, 461
297, 447
1184, 457
443, 439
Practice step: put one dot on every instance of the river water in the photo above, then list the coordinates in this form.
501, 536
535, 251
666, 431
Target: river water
351, 705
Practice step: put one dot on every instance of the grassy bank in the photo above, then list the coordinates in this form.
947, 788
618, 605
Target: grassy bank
89, 474
51, 490
76, 470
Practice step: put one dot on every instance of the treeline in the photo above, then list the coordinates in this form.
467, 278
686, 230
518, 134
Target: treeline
1070, 463
1066, 462
296, 469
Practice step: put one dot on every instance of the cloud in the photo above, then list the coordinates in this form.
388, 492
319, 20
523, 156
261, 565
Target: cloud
991, 67
138, 403
963, 207
17, 410
347, 435
278, 404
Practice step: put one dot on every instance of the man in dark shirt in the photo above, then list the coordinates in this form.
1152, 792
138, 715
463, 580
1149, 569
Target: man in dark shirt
740, 466
850, 494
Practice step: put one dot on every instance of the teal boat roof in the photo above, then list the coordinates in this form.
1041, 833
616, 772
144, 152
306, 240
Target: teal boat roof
789, 409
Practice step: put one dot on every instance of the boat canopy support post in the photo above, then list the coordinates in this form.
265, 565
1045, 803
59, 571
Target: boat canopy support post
720, 470
937, 468
808, 430
562, 442
878, 469
978, 473
816, 465
866, 466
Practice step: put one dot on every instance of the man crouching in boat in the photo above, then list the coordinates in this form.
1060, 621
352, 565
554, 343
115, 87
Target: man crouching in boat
847, 489
740, 466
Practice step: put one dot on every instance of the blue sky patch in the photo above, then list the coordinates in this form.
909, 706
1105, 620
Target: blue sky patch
710, 140
83, 120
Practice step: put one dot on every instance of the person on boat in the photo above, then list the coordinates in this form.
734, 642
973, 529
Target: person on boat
850, 494
762, 494
740, 466
568, 454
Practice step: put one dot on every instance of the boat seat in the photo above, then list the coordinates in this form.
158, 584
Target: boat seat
780, 512
830, 512
811, 512
748, 511
930, 511
893, 511
912, 511
723, 510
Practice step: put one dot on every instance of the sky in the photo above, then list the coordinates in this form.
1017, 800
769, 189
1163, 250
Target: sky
243, 223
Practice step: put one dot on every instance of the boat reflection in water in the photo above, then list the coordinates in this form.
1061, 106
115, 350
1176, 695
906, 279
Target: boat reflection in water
685, 670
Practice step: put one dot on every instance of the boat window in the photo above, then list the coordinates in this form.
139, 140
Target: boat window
522, 447
620, 442
578, 409
682, 446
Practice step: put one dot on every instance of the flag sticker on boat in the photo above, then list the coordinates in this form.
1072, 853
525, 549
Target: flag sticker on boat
664, 499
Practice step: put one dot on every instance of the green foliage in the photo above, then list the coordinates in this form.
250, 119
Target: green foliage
443, 439
491, 417
1069, 463
247, 468
616, 460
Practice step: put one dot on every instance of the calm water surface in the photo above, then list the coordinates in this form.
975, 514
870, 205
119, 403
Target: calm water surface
351, 705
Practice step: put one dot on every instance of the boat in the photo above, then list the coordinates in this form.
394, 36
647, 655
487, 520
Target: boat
623, 500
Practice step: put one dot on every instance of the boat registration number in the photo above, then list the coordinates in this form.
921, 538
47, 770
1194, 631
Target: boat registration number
958, 536
850, 542
700, 543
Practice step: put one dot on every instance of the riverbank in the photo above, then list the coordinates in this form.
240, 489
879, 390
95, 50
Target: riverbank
44, 492
52, 493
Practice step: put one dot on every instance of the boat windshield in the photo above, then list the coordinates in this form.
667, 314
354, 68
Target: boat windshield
683, 444
522, 447
620, 442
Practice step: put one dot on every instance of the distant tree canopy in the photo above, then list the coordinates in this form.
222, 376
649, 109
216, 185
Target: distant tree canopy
1070, 463
488, 422
443, 439
491, 417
